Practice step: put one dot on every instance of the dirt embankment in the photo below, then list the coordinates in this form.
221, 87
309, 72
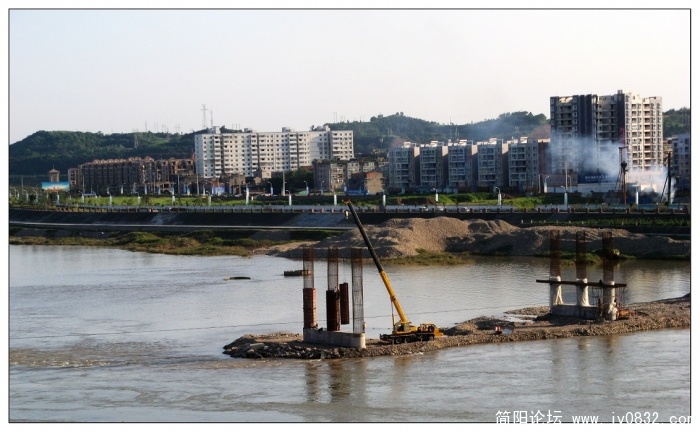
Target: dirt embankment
529, 324
397, 238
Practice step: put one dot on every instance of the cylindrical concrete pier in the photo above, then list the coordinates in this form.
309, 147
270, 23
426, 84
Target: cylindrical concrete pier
555, 291
582, 293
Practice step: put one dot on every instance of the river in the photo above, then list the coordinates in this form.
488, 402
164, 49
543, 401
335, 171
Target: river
105, 335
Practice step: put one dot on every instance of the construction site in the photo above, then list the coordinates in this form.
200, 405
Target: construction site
579, 307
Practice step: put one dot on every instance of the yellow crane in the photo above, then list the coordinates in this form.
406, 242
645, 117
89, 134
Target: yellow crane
403, 330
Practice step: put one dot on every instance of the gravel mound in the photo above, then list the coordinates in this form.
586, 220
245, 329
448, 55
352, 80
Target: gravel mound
397, 238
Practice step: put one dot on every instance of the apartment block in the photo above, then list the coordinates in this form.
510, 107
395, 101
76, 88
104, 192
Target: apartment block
402, 169
461, 166
432, 166
492, 164
142, 175
263, 153
593, 135
680, 160
329, 175
525, 162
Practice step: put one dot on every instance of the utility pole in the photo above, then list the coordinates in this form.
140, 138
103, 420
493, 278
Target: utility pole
623, 176
668, 176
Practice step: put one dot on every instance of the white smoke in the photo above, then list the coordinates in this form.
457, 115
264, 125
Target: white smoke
603, 159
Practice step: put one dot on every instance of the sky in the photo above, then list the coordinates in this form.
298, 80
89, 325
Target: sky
177, 70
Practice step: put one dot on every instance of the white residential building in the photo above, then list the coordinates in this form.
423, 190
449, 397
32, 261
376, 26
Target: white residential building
592, 134
432, 166
250, 153
524, 164
492, 164
402, 167
461, 166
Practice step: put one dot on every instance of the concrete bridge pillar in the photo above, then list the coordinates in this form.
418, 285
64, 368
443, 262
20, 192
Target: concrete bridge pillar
609, 301
582, 293
555, 291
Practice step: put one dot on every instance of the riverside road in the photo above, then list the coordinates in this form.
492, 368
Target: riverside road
323, 218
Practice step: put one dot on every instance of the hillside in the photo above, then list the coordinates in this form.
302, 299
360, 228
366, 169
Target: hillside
42, 151
383, 132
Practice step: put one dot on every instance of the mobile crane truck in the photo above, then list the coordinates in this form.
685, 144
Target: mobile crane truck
403, 331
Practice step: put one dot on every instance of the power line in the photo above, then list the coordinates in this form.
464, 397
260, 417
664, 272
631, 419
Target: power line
235, 326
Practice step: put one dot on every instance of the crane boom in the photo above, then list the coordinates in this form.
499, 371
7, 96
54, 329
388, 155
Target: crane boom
382, 273
403, 331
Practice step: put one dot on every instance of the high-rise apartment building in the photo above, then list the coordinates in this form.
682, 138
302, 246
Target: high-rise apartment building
592, 134
262, 153
679, 146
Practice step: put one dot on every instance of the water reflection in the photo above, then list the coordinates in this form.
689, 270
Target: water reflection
312, 381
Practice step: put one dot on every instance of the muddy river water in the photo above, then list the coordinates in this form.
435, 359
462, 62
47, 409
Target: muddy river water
104, 335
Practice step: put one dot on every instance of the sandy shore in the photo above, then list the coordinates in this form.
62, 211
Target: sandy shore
526, 324
401, 238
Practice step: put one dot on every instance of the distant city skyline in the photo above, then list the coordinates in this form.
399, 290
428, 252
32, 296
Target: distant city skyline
120, 71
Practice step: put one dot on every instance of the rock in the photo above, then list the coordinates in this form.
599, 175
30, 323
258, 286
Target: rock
671, 313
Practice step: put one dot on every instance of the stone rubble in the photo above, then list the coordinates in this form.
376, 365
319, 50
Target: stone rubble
662, 314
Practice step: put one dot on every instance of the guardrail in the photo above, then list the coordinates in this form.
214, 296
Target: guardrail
340, 209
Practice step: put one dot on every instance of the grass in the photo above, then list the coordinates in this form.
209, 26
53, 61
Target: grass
426, 258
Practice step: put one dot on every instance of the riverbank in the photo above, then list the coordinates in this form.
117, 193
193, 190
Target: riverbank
523, 325
407, 239
440, 241
416, 236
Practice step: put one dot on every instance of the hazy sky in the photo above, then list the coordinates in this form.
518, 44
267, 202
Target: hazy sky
128, 70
